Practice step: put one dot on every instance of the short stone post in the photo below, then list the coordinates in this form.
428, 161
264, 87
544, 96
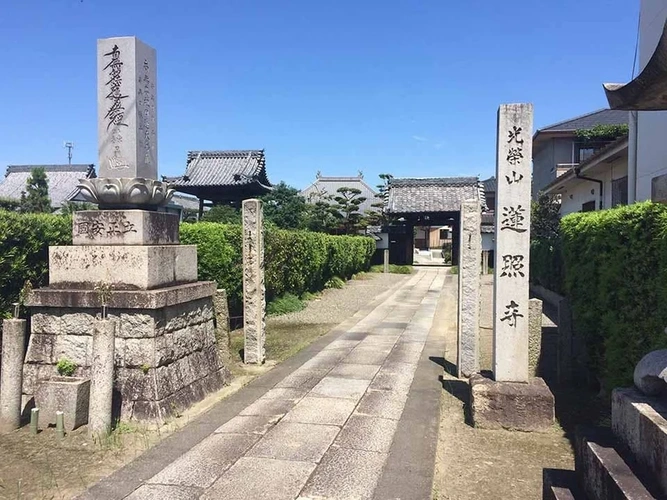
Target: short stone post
469, 289
11, 374
101, 381
510, 291
485, 262
254, 300
534, 336
385, 254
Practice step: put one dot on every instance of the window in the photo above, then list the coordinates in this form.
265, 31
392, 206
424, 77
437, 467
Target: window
589, 206
444, 234
619, 191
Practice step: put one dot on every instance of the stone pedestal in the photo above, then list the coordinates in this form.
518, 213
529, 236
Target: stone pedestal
254, 300
511, 405
69, 395
165, 354
469, 289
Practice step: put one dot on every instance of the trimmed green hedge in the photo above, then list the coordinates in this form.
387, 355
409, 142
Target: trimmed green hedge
546, 264
615, 264
296, 261
24, 250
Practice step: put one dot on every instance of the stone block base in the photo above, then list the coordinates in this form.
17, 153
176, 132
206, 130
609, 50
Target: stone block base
122, 267
67, 394
166, 357
124, 227
559, 484
511, 405
640, 424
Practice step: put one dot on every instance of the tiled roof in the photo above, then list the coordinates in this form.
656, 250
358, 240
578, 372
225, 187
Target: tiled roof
186, 201
224, 168
62, 179
329, 185
443, 194
589, 120
490, 184
488, 222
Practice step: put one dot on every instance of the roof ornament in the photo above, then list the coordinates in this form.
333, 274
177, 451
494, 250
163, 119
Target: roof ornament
318, 174
361, 174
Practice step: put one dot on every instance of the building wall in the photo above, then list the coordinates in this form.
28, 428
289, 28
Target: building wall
488, 241
578, 191
651, 143
552, 152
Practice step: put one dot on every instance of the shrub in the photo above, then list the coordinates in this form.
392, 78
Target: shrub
616, 278
24, 251
286, 304
66, 368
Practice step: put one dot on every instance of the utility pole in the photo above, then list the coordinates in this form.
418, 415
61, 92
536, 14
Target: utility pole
69, 146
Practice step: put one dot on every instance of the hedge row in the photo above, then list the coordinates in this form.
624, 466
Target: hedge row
24, 250
296, 261
614, 271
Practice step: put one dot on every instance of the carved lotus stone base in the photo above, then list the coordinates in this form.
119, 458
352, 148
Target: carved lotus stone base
125, 192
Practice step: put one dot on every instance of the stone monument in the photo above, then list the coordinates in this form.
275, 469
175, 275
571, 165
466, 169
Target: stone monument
126, 263
512, 400
254, 298
469, 288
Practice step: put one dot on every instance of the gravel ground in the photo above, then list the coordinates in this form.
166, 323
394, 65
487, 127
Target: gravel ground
336, 305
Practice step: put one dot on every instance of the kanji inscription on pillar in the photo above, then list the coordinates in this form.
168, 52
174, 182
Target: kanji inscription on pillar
510, 291
254, 298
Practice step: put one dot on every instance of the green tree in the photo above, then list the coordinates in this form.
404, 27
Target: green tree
223, 214
545, 218
378, 216
322, 216
348, 201
285, 207
35, 199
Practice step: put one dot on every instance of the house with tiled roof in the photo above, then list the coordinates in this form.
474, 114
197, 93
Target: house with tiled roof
557, 148
323, 188
62, 179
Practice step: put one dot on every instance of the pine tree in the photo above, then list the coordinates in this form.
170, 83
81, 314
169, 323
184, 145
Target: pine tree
35, 199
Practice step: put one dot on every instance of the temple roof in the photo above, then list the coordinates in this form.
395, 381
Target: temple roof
648, 91
222, 175
62, 179
431, 195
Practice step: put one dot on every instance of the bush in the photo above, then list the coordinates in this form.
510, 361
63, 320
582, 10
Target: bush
295, 261
393, 269
24, 251
66, 368
615, 265
286, 304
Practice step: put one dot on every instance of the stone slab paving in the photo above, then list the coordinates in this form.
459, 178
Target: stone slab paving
338, 421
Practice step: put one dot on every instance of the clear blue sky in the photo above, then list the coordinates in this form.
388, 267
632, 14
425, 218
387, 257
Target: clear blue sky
405, 87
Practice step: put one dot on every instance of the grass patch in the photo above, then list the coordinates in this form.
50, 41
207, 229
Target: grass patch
286, 304
454, 270
393, 269
362, 276
335, 282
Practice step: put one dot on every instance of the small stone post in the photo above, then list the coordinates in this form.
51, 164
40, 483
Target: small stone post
485, 262
101, 382
510, 290
385, 254
254, 300
11, 374
534, 336
469, 288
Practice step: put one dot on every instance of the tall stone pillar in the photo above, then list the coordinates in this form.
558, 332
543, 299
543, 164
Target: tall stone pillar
254, 300
510, 291
469, 288
11, 375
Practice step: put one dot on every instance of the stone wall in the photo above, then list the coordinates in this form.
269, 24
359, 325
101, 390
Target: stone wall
166, 358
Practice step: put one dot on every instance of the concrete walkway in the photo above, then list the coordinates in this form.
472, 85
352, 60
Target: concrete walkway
354, 416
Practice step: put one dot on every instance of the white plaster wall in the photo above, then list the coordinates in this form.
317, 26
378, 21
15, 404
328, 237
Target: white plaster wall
578, 191
488, 242
651, 125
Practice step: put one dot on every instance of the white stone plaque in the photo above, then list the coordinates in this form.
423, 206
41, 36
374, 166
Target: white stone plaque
126, 108
510, 290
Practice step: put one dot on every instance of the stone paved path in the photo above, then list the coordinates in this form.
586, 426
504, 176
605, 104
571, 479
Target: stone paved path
357, 419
